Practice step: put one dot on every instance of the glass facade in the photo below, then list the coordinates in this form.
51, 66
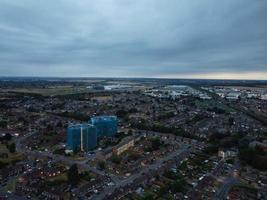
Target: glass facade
105, 125
81, 137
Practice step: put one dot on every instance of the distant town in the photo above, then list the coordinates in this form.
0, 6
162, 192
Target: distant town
133, 139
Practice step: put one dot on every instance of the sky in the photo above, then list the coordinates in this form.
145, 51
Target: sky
134, 38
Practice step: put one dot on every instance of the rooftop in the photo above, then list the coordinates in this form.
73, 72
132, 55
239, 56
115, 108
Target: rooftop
75, 126
103, 118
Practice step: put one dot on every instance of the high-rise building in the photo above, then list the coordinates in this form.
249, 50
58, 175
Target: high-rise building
81, 137
105, 125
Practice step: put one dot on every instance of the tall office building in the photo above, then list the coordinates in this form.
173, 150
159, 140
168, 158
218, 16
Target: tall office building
81, 137
105, 125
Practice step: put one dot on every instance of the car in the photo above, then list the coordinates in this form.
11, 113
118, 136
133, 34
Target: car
111, 184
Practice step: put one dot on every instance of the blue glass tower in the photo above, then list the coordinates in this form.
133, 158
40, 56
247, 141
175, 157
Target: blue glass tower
105, 125
81, 137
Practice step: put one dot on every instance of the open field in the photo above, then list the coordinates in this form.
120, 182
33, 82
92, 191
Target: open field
102, 98
56, 90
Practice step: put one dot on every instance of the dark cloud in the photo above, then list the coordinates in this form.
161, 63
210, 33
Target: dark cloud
132, 38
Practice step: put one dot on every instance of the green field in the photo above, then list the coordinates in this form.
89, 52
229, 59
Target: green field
48, 91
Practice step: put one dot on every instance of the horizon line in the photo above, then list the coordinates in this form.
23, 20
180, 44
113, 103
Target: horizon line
129, 77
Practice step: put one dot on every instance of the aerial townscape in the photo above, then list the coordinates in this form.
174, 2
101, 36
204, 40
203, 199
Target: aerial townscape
133, 100
133, 139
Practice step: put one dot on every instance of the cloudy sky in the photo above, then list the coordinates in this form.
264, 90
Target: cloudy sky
134, 38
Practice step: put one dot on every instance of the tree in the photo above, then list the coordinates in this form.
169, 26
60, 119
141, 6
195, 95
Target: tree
101, 165
148, 196
86, 176
8, 136
130, 132
253, 157
155, 143
178, 185
59, 124
244, 142
3, 124
121, 113
116, 159
231, 121
3, 164
133, 156
73, 175
12, 148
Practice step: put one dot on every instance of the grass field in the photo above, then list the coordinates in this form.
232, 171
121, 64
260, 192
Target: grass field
56, 90
102, 98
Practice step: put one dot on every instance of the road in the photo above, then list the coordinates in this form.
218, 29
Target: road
179, 154
223, 191
63, 159
18, 141
55, 157
131, 179
12, 178
183, 152
228, 183
11, 196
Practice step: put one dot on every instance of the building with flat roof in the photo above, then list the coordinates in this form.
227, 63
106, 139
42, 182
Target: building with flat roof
233, 95
124, 146
105, 125
81, 137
